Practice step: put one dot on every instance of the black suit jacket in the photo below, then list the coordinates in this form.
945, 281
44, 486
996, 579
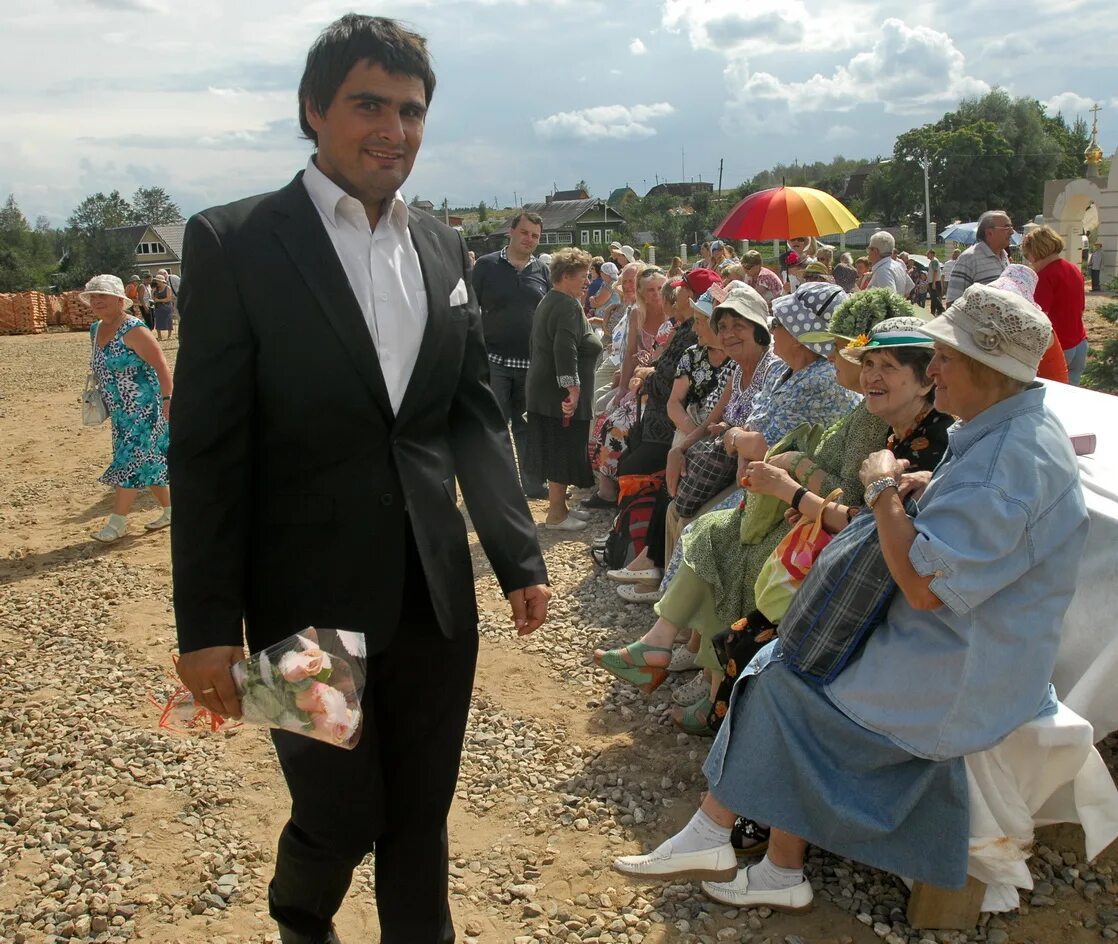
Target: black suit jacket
293, 481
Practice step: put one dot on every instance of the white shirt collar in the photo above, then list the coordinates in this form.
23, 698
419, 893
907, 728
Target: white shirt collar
331, 201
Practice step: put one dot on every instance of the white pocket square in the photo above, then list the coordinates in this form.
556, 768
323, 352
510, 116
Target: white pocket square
459, 296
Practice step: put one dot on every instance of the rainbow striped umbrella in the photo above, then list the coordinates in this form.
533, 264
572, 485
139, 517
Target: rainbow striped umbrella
786, 212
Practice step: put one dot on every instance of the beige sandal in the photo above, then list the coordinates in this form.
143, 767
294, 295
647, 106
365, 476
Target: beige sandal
163, 521
111, 532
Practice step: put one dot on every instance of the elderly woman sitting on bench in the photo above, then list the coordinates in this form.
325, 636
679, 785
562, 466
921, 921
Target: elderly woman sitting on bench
871, 765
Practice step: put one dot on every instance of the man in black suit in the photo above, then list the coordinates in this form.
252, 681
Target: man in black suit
331, 386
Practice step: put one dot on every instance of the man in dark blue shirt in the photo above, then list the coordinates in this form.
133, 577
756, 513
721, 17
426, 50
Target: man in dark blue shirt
509, 285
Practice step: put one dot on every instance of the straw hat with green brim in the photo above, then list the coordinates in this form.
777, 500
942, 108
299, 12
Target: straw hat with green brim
888, 334
861, 311
996, 328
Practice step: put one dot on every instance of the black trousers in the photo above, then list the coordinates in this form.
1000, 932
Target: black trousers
936, 295
510, 387
390, 795
644, 459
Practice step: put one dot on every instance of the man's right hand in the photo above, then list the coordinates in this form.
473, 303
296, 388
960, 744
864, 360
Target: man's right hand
206, 672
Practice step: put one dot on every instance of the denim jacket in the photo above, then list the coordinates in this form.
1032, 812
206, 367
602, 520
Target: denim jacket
1000, 528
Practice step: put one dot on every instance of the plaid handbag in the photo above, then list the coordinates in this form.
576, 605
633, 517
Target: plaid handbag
841, 601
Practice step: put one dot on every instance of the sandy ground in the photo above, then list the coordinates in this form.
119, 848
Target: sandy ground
556, 758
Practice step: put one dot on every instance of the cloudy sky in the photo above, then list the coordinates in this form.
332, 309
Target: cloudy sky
199, 97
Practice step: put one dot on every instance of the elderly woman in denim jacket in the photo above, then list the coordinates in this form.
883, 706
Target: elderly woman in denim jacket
871, 765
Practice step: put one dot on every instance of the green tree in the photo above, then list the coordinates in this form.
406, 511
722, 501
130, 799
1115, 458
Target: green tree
482, 212
96, 253
98, 212
16, 274
13, 224
153, 205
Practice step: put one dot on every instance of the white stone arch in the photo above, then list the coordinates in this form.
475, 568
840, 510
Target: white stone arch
1068, 212
1071, 204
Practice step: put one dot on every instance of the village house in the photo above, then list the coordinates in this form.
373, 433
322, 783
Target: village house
158, 246
582, 223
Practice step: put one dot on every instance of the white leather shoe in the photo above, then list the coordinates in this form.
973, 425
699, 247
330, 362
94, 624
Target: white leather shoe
690, 693
570, 523
632, 593
716, 865
792, 900
683, 660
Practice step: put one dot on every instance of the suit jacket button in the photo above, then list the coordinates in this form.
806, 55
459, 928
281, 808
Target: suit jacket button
386, 499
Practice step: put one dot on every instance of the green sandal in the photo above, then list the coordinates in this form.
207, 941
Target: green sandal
628, 663
693, 718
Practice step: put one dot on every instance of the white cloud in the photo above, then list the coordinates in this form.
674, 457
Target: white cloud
617, 122
908, 70
637, 48
1069, 104
1013, 46
767, 26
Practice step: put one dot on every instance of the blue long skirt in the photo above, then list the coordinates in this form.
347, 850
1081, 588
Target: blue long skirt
787, 757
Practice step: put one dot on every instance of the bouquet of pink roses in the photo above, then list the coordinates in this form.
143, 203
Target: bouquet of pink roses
304, 684
309, 683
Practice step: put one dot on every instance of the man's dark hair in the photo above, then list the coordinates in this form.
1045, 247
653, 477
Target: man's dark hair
534, 218
352, 39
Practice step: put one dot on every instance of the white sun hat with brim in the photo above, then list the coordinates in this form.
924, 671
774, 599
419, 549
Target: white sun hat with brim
104, 285
886, 335
997, 328
745, 302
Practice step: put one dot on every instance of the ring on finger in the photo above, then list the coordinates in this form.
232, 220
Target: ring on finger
208, 691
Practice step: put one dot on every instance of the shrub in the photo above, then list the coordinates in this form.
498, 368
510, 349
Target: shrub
1101, 372
1109, 311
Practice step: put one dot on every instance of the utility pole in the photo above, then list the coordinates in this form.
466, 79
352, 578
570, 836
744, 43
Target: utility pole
720, 160
682, 163
929, 238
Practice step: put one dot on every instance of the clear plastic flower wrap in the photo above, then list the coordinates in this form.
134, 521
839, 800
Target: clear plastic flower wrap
309, 683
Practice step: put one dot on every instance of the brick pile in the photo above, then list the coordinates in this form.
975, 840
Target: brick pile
55, 310
76, 314
24, 313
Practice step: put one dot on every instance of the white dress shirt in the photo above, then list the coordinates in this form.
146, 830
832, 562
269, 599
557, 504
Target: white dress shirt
384, 274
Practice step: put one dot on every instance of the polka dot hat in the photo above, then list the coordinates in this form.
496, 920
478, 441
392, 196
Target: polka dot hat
808, 310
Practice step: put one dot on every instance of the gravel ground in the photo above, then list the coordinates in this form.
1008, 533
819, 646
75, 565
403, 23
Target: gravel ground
112, 830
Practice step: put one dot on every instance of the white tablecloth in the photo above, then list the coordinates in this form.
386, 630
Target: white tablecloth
1047, 771
1087, 663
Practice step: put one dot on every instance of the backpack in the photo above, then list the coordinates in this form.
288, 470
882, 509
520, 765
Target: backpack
626, 538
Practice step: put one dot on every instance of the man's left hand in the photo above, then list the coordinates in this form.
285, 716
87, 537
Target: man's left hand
529, 608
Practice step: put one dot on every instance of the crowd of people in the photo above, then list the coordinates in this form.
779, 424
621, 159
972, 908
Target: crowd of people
717, 410
153, 300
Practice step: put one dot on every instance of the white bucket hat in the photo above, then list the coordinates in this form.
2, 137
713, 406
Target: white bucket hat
997, 328
104, 285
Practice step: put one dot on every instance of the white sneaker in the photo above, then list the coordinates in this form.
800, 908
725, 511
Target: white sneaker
683, 660
792, 900
570, 523
716, 865
579, 513
690, 693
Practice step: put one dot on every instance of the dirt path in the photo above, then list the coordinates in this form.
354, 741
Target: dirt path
111, 830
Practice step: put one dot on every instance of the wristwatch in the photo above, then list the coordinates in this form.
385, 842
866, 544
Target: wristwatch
877, 486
